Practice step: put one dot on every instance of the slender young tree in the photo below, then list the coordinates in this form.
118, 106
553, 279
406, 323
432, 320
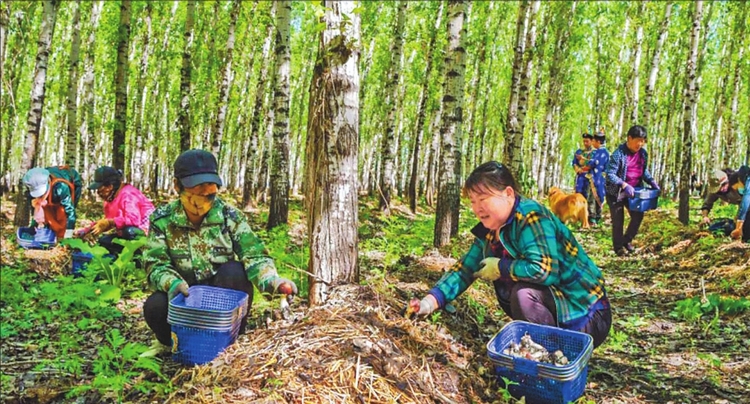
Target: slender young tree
690, 98
512, 126
446, 215
635, 76
331, 166
651, 84
121, 87
34, 118
279, 210
226, 82
391, 91
557, 72
419, 127
740, 28
248, 190
71, 140
183, 113
138, 154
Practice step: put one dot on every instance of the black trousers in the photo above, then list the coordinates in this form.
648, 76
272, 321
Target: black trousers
230, 276
617, 209
535, 304
127, 233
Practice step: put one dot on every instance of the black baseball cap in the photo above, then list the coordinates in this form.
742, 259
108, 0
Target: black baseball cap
195, 167
587, 136
105, 175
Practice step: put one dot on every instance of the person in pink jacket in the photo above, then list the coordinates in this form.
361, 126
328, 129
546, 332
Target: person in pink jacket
126, 209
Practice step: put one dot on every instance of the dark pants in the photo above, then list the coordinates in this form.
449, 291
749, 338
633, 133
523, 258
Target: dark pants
617, 209
595, 209
127, 233
535, 304
230, 276
746, 227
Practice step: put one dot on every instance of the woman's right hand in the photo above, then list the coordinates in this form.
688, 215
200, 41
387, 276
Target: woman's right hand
423, 307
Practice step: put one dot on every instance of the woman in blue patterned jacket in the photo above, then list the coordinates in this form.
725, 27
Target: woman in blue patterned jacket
540, 272
627, 169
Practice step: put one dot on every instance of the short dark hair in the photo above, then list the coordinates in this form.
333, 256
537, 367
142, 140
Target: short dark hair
492, 175
637, 131
587, 135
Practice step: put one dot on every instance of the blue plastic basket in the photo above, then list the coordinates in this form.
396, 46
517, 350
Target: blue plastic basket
30, 237
205, 322
81, 259
644, 199
543, 382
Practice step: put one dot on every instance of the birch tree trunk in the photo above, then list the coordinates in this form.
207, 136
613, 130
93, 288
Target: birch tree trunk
635, 88
75, 49
649, 94
5, 141
523, 93
248, 190
226, 82
331, 167
690, 96
138, 154
279, 210
613, 122
419, 128
160, 92
183, 113
732, 123
512, 126
554, 98
34, 118
717, 121
88, 99
391, 91
121, 88
446, 215
431, 183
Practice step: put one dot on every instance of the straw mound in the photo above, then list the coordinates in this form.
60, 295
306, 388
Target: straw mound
355, 349
49, 263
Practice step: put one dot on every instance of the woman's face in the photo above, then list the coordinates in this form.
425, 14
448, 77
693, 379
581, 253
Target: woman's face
635, 143
492, 207
105, 191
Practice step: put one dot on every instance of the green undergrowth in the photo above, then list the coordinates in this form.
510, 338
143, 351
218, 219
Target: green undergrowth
56, 321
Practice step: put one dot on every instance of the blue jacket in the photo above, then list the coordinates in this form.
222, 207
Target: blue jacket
618, 166
598, 168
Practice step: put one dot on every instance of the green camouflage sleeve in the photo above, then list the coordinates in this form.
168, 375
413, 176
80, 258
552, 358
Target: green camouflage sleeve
261, 270
159, 267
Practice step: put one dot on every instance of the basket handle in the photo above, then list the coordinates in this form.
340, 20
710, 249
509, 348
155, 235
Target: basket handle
526, 366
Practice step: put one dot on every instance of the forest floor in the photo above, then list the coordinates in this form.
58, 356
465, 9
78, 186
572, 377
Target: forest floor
680, 334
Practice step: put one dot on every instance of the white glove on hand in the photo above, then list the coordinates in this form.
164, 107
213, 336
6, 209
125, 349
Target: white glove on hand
423, 307
68, 233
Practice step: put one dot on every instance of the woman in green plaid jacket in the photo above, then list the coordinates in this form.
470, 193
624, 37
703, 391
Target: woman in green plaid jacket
540, 272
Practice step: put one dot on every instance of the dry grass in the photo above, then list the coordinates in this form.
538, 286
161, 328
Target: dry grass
354, 349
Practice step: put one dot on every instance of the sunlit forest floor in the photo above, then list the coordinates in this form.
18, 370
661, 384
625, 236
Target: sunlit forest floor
681, 326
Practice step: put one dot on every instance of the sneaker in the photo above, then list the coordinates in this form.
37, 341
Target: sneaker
156, 349
622, 252
630, 247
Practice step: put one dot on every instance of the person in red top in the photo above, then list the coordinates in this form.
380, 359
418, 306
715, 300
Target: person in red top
126, 210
